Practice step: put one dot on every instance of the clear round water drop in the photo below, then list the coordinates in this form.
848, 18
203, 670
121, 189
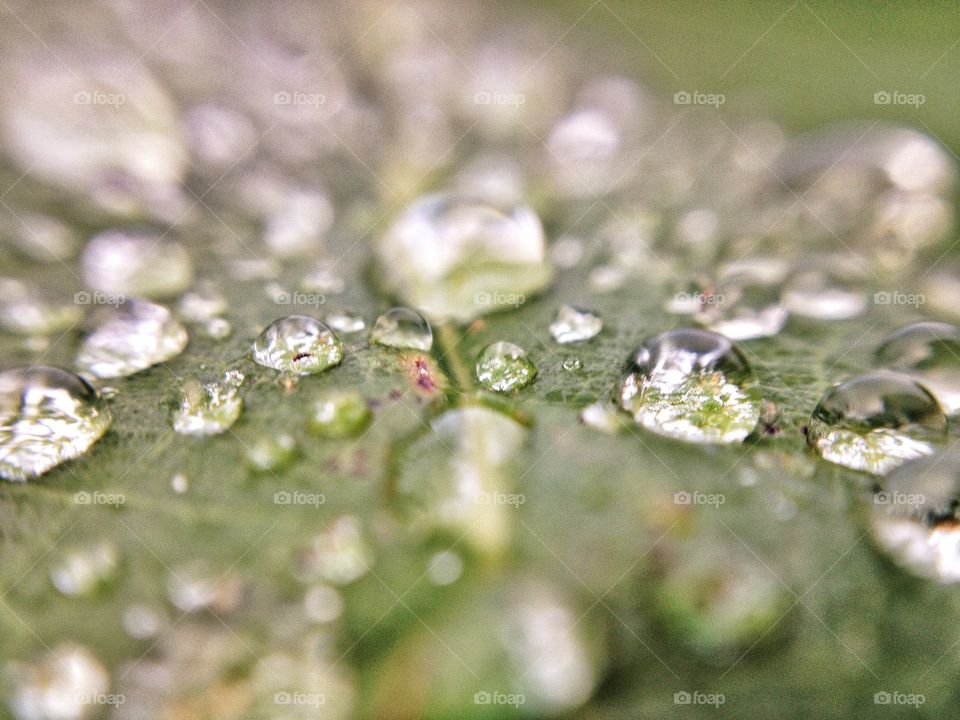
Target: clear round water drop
401, 327
346, 323
915, 516
47, 416
692, 385
299, 345
460, 258
207, 409
876, 422
137, 263
572, 364
573, 325
930, 353
138, 336
504, 367
81, 571
340, 414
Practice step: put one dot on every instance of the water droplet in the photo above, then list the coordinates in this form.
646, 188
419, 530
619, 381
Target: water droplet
42, 237
143, 622
402, 327
26, 312
572, 364
345, 323
744, 306
504, 367
833, 292
272, 453
141, 264
195, 586
692, 385
323, 278
607, 278
138, 336
876, 422
930, 353
179, 483
208, 409
573, 325
460, 258
915, 519
602, 417
339, 555
59, 686
444, 567
84, 570
298, 225
323, 604
566, 252
340, 414
47, 416
202, 306
298, 344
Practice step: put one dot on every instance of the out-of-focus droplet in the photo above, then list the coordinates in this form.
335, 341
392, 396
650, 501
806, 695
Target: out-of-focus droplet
572, 364
834, 291
195, 586
340, 414
66, 683
83, 570
930, 353
573, 325
271, 453
401, 327
602, 417
138, 336
42, 237
137, 264
504, 367
459, 258
207, 409
323, 278
25, 312
179, 483
143, 622
346, 323
339, 555
47, 416
323, 604
299, 225
444, 567
876, 422
692, 385
298, 345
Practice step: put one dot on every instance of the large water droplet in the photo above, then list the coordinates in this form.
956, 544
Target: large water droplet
47, 416
298, 344
573, 325
208, 409
142, 264
83, 570
340, 414
930, 353
140, 335
460, 258
64, 684
692, 385
915, 517
402, 327
876, 422
504, 367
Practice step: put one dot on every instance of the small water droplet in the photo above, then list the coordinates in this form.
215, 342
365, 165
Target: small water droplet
444, 567
572, 364
504, 367
607, 278
573, 325
875, 422
138, 336
201, 306
833, 291
234, 378
340, 414
143, 622
339, 555
208, 409
745, 306
345, 323
299, 345
323, 278
25, 312
460, 258
566, 252
930, 353
272, 453
323, 604
299, 224
195, 586
401, 327
692, 385
47, 416
82, 571
602, 417
58, 686
217, 328
136, 263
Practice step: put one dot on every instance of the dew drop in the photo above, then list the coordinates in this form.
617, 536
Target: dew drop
47, 416
180, 483
323, 604
573, 325
271, 454
930, 353
832, 293
602, 417
460, 258
299, 345
299, 224
25, 312
207, 409
346, 323
339, 555
572, 364
504, 367
142, 621
340, 414
444, 567
59, 686
875, 422
692, 385
402, 327
136, 263
195, 586
82, 571
138, 336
